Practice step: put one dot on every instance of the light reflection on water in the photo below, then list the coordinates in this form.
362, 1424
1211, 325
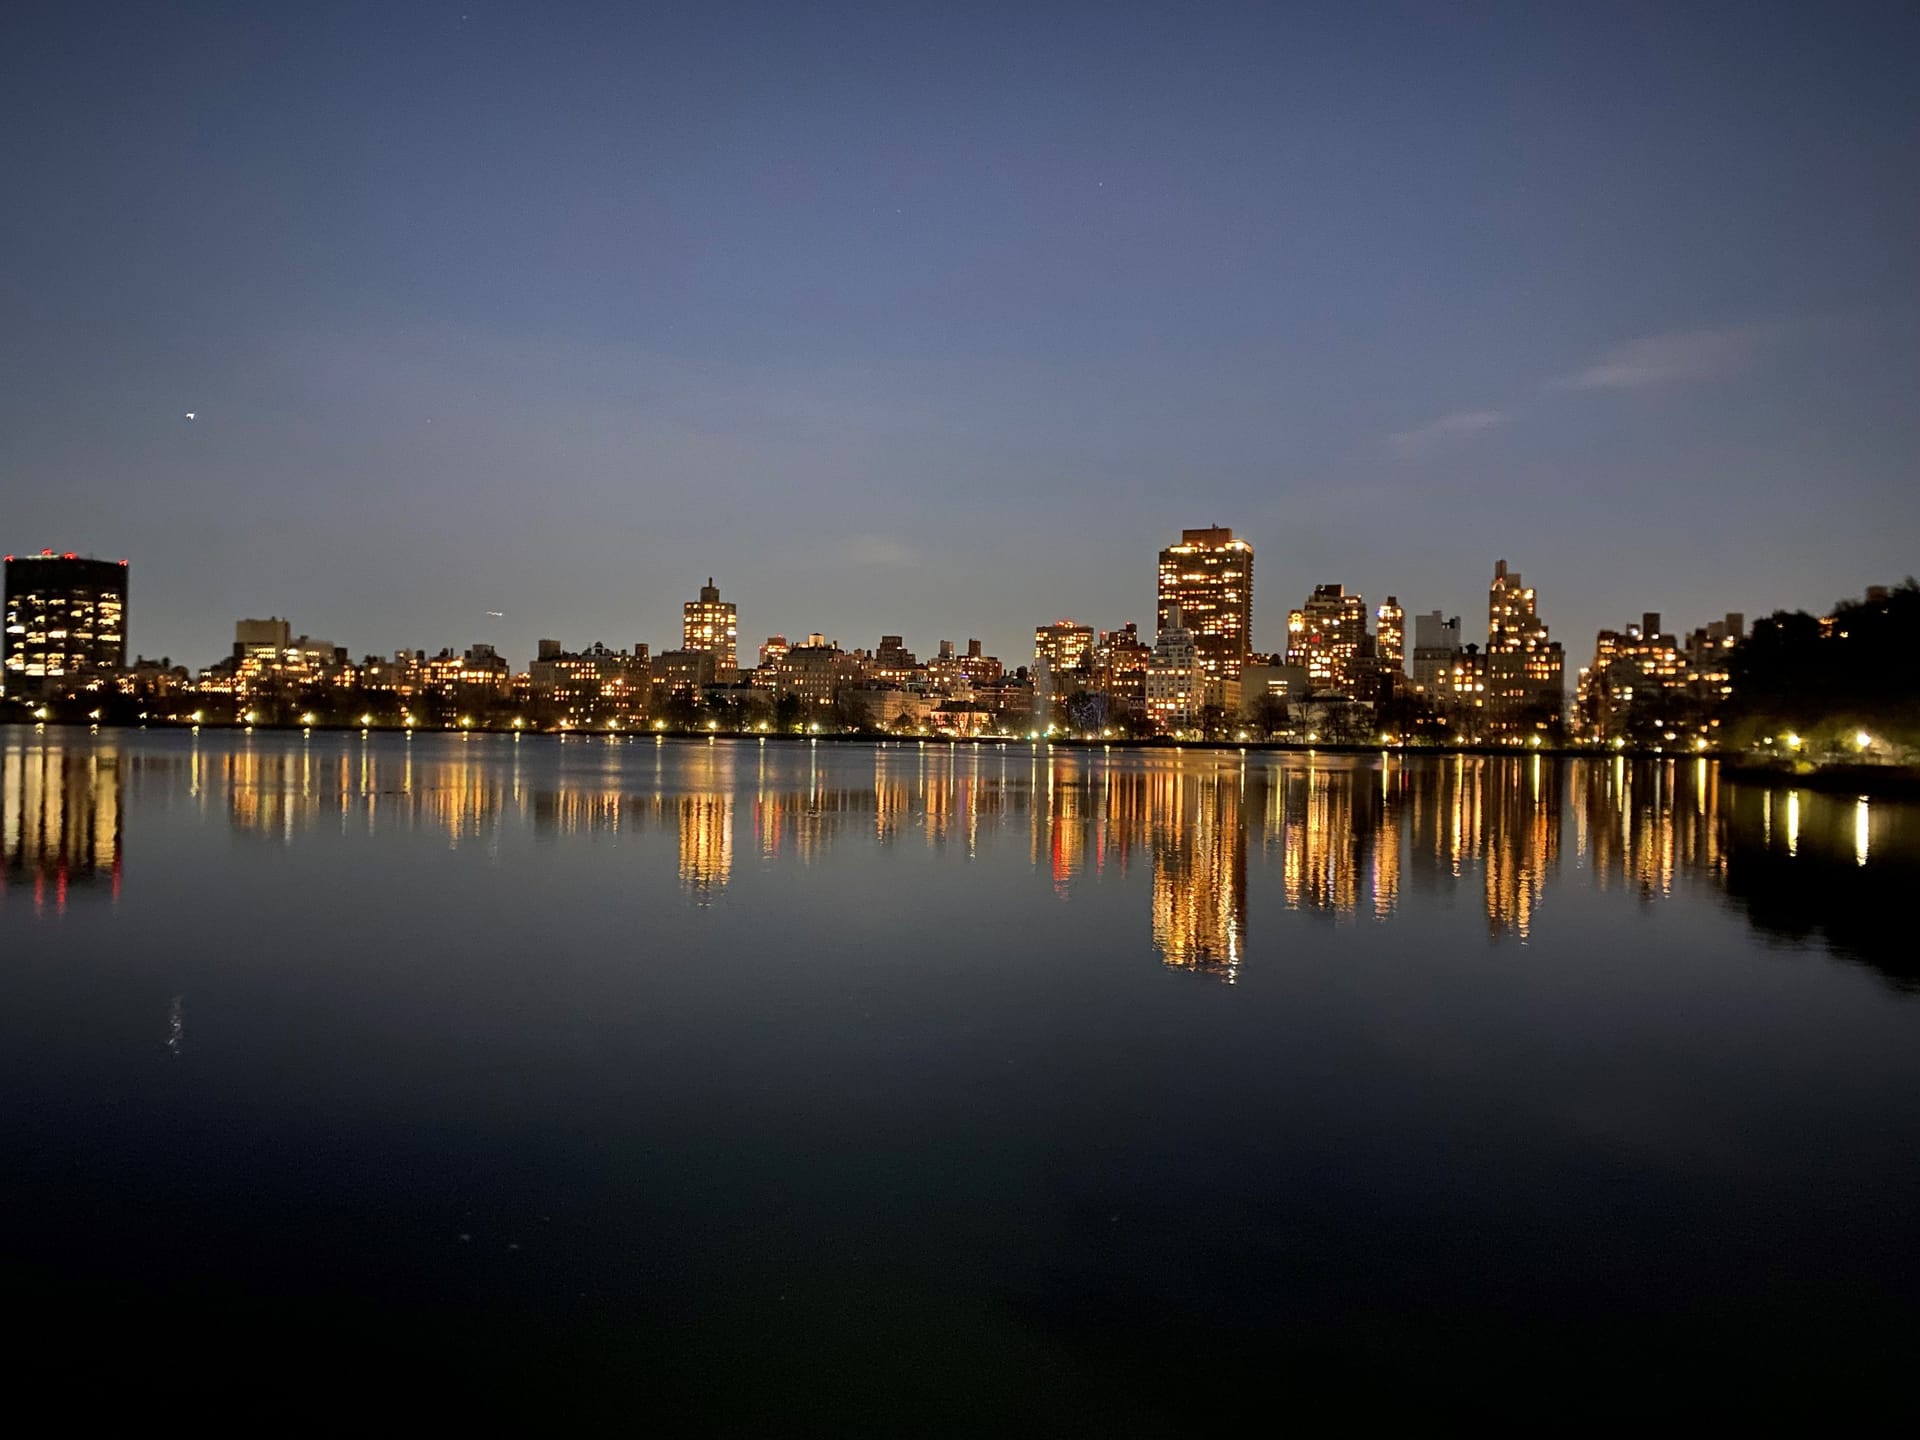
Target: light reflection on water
1343, 835
784, 1083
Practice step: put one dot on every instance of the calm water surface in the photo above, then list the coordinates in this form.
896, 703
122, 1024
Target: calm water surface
774, 1087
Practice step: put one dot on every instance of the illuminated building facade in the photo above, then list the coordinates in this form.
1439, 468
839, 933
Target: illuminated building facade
1525, 668
954, 674
1176, 678
594, 685
1063, 645
479, 672
1327, 636
1645, 684
1709, 651
685, 673
1120, 663
1462, 688
270, 664
1208, 579
1390, 637
892, 663
65, 623
711, 626
816, 672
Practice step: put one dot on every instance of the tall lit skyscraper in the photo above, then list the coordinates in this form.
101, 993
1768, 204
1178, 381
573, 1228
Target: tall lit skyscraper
1390, 636
1208, 579
66, 622
711, 627
1526, 687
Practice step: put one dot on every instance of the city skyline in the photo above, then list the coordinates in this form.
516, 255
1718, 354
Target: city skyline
955, 312
1336, 681
640, 760
708, 622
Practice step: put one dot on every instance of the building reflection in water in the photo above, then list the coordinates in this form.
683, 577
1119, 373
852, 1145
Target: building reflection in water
60, 818
277, 793
1345, 839
1199, 845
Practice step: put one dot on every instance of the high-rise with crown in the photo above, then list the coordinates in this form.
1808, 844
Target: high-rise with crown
1208, 580
710, 626
1526, 686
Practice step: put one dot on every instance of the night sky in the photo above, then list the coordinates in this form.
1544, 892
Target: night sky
942, 320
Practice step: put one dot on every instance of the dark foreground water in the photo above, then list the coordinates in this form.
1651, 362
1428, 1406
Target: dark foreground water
779, 1087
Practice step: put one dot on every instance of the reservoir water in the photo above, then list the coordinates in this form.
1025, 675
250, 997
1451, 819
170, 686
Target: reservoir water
773, 1086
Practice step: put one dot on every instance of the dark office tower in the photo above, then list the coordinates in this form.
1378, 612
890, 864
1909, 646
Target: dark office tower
66, 622
1208, 578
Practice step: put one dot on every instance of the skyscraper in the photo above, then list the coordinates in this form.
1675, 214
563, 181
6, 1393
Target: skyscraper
1526, 686
1208, 579
66, 622
1390, 636
1326, 636
711, 627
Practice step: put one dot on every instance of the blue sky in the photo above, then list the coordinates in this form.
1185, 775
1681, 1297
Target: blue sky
942, 320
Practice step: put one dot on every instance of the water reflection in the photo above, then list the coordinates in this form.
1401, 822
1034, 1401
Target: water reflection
60, 814
1199, 869
1347, 840
1835, 868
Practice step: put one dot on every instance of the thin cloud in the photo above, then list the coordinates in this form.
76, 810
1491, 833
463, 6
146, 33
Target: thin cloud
1457, 426
1671, 359
881, 552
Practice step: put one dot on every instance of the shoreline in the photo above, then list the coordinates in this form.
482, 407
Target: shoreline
1890, 780
1886, 782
